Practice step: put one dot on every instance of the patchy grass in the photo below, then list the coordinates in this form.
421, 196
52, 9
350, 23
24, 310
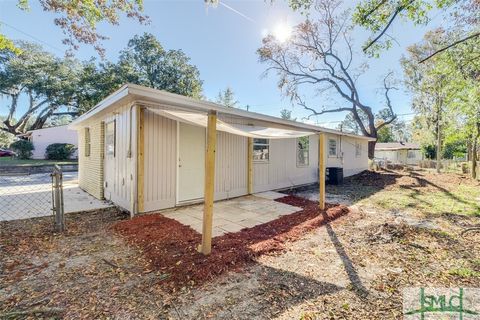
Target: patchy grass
355, 267
8, 161
463, 272
429, 194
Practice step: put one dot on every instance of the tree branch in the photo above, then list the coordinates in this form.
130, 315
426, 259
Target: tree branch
397, 11
450, 45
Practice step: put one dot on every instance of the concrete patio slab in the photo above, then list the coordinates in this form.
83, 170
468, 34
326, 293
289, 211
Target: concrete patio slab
272, 195
30, 196
235, 214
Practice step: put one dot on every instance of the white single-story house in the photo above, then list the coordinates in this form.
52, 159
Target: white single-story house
146, 150
42, 138
399, 152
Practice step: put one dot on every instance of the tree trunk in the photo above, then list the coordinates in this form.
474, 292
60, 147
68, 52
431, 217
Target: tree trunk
439, 145
475, 152
371, 149
474, 158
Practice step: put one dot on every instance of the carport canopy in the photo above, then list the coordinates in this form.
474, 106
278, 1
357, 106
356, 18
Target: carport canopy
249, 127
252, 129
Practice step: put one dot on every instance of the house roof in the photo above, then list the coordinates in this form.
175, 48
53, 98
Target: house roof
132, 93
396, 146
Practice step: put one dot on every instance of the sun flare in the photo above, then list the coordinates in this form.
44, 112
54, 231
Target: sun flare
282, 32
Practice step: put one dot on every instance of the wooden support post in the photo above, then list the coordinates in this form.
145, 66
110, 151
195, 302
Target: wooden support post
140, 158
206, 246
321, 170
250, 166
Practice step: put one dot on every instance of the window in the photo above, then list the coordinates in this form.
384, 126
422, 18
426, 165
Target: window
411, 154
358, 149
303, 151
110, 138
332, 147
87, 142
260, 150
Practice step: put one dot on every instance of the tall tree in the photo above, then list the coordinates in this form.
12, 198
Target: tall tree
79, 19
287, 115
378, 16
48, 83
227, 98
446, 89
319, 57
147, 63
55, 87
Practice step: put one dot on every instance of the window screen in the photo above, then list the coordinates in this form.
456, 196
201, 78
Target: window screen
358, 149
303, 151
87, 142
261, 149
110, 138
332, 147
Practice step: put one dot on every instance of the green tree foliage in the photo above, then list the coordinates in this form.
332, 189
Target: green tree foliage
48, 83
227, 98
377, 16
287, 115
6, 138
430, 151
385, 135
59, 151
446, 91
454, 149
394, 131
146, 62
79, 19
23, 149
56, 87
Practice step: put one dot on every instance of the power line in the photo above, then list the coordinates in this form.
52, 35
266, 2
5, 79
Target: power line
398, 115
32, 37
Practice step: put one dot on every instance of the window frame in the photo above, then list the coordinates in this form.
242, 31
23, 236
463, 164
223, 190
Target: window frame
411, 152
298, 150
267, 144
358, 150
114, 122
329, 149
88, 141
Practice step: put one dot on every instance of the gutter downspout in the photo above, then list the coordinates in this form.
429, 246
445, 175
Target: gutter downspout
133, 161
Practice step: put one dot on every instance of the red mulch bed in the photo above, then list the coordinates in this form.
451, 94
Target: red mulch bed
171, 247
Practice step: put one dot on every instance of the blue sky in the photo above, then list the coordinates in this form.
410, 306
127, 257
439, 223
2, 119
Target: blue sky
222, 44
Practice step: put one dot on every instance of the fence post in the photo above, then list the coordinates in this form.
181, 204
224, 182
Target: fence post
58, 211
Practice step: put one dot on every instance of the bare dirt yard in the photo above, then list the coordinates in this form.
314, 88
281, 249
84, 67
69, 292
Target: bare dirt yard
403, 229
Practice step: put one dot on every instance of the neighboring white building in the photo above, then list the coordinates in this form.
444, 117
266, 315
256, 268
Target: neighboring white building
144, 149
399, 152
42, 138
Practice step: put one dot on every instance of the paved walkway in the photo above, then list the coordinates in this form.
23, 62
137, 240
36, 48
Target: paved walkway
235, 214
30, 196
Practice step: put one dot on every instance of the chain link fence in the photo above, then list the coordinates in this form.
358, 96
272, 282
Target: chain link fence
30, 196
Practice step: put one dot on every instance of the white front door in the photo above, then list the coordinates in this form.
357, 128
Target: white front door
191, 162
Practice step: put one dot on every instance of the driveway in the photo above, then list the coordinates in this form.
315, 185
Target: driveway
30, 196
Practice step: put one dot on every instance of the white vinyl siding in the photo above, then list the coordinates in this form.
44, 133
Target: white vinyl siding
160, 176
120, 171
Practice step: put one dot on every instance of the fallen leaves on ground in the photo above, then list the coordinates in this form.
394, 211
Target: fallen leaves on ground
171, 247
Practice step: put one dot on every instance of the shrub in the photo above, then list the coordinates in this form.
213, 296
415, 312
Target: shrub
59, 151
23, 148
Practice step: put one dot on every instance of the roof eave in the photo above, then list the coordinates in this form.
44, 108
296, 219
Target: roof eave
140, 93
